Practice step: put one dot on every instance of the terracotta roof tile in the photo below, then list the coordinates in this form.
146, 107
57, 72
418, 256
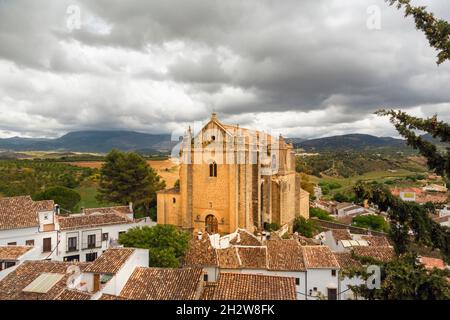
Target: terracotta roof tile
200, 253
377, 241
285, 255
317, 257
92, 220
163, 284
346, 261
110, 261
252, 257
120, 210
431, 263
235, 286
13, 252
228, 258
244, 238
341, 234
383, 254
68, 294
12, 285
111, 297
21, 212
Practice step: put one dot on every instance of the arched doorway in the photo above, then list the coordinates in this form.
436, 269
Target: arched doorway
211, 224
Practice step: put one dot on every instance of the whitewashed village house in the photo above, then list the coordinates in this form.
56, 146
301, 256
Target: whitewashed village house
314, 268
122, 274
81, 237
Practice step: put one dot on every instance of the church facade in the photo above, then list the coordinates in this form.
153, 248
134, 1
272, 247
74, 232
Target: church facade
232, 177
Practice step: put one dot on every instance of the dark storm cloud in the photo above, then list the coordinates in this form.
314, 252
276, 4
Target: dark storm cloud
156, 65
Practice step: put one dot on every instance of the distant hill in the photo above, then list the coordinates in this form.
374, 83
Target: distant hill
349, 142
92, 141
104, 141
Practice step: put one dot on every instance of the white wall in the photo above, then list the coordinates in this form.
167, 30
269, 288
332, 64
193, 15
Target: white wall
331, 242
344, 283
20, 236
113, 236
212, 272
139, 258
445, 211
321, 279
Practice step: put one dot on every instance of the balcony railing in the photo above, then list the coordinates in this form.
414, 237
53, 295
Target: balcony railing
72, 249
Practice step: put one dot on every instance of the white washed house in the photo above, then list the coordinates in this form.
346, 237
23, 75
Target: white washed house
81, 237
25, 222
84, 237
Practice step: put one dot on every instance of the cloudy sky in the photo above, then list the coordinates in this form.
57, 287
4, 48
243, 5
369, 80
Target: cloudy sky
308, 68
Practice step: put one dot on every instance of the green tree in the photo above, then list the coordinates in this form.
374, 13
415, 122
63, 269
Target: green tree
406, 279
126, 177
320, 214
341, 197
436, 30
373, 222
407, 216
69, 181
306, 183
167, 245
407, 126
305, 227
65, 197
271, 226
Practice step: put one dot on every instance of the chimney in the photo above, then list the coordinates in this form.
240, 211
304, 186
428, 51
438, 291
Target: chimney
213, 116
57, 209
200, 235
130, 207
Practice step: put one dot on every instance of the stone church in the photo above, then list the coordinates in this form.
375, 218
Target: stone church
232, 177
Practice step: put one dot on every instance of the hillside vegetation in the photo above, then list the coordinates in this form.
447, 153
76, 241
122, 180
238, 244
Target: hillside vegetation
346, 164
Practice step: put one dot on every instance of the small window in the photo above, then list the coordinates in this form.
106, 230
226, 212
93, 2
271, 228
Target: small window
91, 241
333, 273
105, 236
213, 138
315, 289
12, 243
91, 257
213, 169
29, 243
72, 244
297, 281
174, 200
205, 277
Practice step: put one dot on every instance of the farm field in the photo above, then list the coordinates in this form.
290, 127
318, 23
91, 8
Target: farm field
88, 192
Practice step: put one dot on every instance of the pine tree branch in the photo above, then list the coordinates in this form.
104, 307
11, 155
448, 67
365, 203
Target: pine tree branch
436, 30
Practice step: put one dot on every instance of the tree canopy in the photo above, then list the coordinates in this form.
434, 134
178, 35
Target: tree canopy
306, 228
407, 216
126, 177
167, 245
407, 126
65, 197
436, 30
406, 279
373, 222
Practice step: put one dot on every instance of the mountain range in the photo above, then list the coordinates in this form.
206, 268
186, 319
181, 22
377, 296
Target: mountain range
354, 141
104, 141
